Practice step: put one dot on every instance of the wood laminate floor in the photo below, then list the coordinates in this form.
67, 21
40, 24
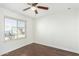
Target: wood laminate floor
39, 50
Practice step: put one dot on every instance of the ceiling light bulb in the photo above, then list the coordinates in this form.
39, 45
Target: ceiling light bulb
33, 8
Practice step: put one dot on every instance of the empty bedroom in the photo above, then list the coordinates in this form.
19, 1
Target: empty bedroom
39, 29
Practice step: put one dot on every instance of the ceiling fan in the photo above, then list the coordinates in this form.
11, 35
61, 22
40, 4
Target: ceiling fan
34, 7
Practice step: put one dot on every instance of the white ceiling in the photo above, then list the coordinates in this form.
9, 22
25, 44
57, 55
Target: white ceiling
18, 7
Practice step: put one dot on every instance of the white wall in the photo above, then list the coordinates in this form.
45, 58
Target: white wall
6, 46
60, 30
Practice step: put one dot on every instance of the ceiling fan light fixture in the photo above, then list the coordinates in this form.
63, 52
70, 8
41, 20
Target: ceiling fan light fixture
33, 8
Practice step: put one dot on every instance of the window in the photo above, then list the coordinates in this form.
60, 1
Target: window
14, 29
21, 29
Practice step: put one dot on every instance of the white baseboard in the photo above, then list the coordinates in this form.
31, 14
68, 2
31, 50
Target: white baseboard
57, 47
6, 51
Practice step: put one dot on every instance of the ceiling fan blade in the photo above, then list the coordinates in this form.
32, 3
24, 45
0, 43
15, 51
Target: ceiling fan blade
34, 4
29, 3
42, 7
36, 12
26, 8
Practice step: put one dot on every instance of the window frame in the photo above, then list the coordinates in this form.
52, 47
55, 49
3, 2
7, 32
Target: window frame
17, 26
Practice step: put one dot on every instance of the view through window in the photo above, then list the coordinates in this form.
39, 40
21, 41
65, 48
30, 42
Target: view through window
14, 29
